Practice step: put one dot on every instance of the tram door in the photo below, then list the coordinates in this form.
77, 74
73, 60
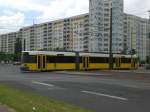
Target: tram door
85, 61
118, 62
41, 62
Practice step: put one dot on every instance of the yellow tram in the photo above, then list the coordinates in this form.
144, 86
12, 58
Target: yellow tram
51, 60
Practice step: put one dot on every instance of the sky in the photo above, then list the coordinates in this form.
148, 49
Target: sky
15, 14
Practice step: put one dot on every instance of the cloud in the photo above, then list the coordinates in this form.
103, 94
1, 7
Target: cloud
137, 7
16, 12
21, 5
54, 9
48, 9
64, 8
11, 22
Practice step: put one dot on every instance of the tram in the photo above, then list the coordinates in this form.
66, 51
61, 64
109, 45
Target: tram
53, 61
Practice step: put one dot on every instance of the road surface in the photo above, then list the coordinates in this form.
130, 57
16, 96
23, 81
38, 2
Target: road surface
100, 94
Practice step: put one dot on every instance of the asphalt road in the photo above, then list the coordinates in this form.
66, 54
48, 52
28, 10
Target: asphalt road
96, 93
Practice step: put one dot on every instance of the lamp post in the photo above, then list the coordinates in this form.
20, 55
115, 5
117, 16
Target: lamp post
110, 46
131, 47
149, 37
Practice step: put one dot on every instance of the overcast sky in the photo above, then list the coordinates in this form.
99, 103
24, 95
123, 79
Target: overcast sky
17, 13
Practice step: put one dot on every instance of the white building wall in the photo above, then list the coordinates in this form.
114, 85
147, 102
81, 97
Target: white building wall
57, 35
39, 37
77, 25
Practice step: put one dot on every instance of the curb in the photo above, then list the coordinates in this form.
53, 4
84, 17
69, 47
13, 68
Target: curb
81, 73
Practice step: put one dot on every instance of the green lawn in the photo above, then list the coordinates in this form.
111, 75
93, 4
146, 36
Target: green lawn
22, 101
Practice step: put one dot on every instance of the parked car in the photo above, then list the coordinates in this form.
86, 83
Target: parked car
16, 63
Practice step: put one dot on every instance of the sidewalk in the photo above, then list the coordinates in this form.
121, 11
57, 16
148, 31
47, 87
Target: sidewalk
131, 71
86, 73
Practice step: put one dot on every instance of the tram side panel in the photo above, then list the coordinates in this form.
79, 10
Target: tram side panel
99, 63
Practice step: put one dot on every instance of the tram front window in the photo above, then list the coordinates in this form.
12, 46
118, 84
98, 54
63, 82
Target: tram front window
26, 58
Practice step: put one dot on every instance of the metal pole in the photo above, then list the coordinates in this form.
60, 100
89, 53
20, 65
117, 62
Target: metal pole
149, 37
131, 47
77, 61
110, 47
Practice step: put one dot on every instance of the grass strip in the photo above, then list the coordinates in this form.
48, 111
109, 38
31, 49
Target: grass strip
22, 101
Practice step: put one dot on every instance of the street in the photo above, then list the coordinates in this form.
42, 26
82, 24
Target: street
99, 93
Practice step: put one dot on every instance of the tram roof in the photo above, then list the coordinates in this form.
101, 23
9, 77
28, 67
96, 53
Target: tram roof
74, 53
50, 53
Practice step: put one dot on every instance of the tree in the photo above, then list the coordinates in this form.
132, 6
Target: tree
132, 52
6, 57
18, 46
18, 49
124, 51
2, 56
147, 59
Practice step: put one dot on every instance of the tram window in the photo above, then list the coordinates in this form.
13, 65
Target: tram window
29, 59
60, 59
50, 59
114, 60
125, 60
65, 59
99, 60
128, 60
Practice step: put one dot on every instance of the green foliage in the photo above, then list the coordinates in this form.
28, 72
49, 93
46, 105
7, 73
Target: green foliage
17, 57
148, 59
2, 56
10, 57
6, 57
133, 51
124, 51
18, 46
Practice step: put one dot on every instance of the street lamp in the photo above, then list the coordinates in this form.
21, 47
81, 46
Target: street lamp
131, 46
149, 38
110, 46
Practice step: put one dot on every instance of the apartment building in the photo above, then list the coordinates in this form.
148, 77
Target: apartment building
3, 43
96, 20
36, 37
7, 42
0, 44
135, 35
99, 16
70, 34
147, 47
148, 39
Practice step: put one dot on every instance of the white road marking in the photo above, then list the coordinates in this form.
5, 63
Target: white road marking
105, 95
44, 84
